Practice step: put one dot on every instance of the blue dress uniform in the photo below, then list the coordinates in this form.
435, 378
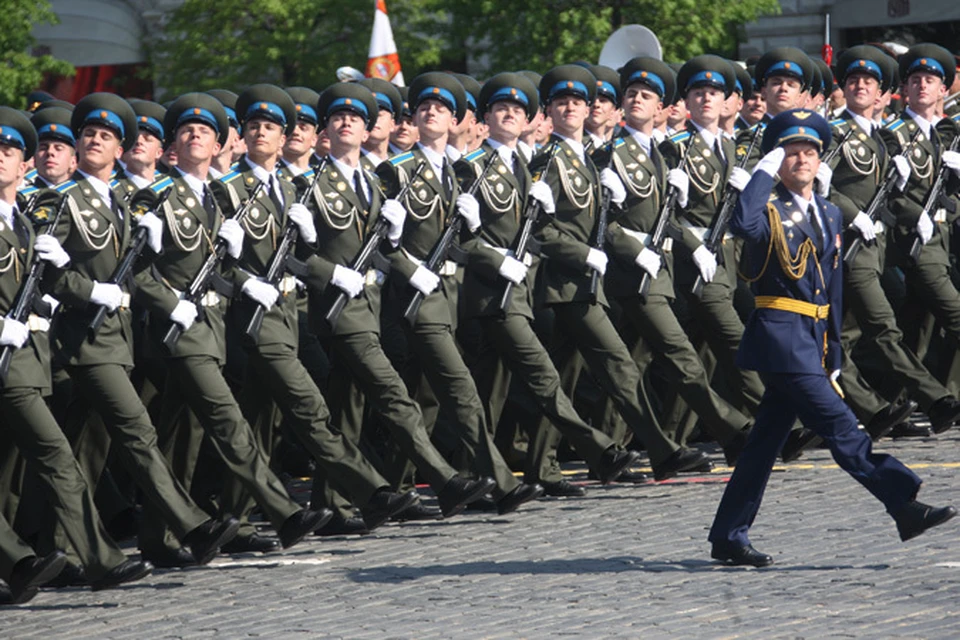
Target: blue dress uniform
793, 340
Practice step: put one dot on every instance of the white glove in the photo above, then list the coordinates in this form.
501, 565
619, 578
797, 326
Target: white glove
739, 178
925, 228
49, 250
469, 208
864, 225
14, 333
542, 192
679, 179
262, 293
184, 314
424, 280
824, 177
53, 302
610, 180
513, 270
903, 169
834, 375
301, 217
649, 261
350, 281
232, 233
154, 227
394, 213
597, 260
706, 262
952, 160
106, 295
770, 163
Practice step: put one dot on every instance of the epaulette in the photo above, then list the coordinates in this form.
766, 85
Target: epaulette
956, 117
618, 142
230, 177
28, 191
679, 137
30, 175
308, 174
400, 159
837, 122
161, 184
234, 166
66, 186
896, 124
474, 155
114, 183
114, 172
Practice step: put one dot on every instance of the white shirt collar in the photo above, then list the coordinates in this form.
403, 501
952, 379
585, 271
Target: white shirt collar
525, 149
658, 135
453, 154
101, 187
348, 175
142, 183
923, 123
6, 212
642, 139
435, 158
864, 123
576, 145
506, 153
196, 185
372, 157
292, 168
598, 141
261, 174
709, 138
214, 173
804, 204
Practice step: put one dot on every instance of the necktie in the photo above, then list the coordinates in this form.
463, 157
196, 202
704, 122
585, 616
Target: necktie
276, 195
209, 206
718, 149
361, 193
881, 149
18, 229
520, 174
447, 180
815, 223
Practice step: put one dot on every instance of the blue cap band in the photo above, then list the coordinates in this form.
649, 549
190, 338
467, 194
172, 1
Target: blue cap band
307, 113
267, 110
711, 78
152, 125
196, 114
650, 78
383, 101
784, 67
53, 130
12, 138
865, 66
509, 93
737, 86
438, 93
351, 104
926, 64
107, 119
607, 89
569, 86
471, 102
799, 134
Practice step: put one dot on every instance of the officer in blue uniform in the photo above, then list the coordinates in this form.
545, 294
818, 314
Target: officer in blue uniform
794, 247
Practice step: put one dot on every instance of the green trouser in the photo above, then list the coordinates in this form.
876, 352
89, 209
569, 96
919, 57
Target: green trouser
583, 333
198, 381
363, 375
12, 549
31, 427
109, 392
275, 369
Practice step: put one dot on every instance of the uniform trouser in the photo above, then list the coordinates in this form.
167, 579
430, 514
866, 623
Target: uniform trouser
109, 392
362, 374
198, 381
12, 549
811, 398
583, 333
276, 369
31, 427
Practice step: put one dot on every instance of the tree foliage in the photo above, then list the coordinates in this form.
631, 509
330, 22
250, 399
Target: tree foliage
21, 71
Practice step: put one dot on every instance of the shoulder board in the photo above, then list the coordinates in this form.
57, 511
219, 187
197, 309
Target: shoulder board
161, 184
114, 183
679, 137
66, 186
896, 124
618, 142
30, 174
956, 117
479, 153
28, 191
837, 122
400, 159
230, 177
308, 174
234, 166
773, 196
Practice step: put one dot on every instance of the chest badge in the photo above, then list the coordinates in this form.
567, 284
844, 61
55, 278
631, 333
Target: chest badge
797, 217
190, 202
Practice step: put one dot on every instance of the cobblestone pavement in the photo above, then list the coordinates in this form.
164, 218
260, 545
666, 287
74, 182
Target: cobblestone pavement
625, 562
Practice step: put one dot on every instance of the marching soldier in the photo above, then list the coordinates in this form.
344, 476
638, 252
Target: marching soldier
600, 126
298, 154
376, 148
138, 166
233, 148
56, 157
405, 135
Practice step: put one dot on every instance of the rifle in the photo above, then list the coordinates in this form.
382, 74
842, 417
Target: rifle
363, 259
719, 228
124, 268
442, 248
201, 282
658, 236
602, 217
530, 216
879, 198
932, 198
29, 289
278, 265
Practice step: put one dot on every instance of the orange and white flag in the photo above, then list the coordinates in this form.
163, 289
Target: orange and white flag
383, 61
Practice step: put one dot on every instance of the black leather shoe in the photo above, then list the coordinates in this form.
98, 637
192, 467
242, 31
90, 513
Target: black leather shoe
485, 504
5, 596
562, 489
523, 493
417, 511
915, 518
798, 440
910, 430
885, 420
633, 477
385, 504
740, 556
205, 541
733, 449
682, 459
166, 558
253, 543
944, 413
460, 491
128, 571
300, 524
613, 463
30, 574
70, 576
344, 527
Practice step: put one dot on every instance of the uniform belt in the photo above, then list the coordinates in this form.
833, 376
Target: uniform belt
125, 301
527, 259
373, 277
36, 323
644, 239
448, 268
287, 285
703, 232
780, 303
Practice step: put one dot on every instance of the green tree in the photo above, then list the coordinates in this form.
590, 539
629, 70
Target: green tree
22, 72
